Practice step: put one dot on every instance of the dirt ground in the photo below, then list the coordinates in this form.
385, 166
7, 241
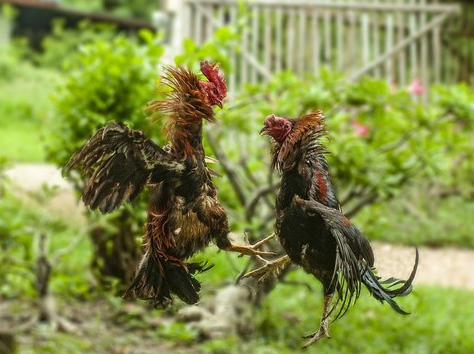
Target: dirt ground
448, 267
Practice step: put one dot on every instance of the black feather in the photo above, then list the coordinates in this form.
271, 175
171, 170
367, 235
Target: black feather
353, 264
158, 277
119, 162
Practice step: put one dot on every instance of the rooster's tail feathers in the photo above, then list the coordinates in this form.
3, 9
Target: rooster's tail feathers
384, 290
158, 277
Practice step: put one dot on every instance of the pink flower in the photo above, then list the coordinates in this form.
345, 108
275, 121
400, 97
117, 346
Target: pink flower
360, 129
416, 88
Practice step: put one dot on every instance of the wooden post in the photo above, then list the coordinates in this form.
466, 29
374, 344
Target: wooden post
255, 37
437, 21
279, 40
301, 41
233, 57
316, 39
424, 66
327, 37
376, 39
413, 46
290, 40
268, 43
401, 59
178, 29
340, 42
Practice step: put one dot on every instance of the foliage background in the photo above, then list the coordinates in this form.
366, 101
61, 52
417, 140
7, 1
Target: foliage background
404, 168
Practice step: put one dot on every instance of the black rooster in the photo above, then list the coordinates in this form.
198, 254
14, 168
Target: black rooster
184, 214
311, 227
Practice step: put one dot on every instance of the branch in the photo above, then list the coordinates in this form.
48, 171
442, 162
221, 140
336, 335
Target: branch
261, 193
366, 200
228, 169
249, 174
297, 283
353, 192
69, 248
244, 270
393, 145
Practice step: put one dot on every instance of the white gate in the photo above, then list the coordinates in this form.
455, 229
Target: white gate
398, 40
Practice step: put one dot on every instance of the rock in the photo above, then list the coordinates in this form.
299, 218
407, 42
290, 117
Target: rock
229, 313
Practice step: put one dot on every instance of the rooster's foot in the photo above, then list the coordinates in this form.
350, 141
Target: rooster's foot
316, 336
252, 250
269, 267
323, 331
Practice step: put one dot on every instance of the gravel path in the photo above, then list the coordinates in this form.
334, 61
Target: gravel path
448, 267
30, 178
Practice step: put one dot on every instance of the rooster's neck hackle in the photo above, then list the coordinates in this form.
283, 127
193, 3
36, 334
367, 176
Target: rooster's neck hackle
187, 106
305, 135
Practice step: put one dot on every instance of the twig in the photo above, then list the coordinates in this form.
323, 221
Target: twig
244, 270
297, 283
69, 248
353, 192
247, 172
262, 192
231, 261
229, 171
393, 145
250, 176
367, 199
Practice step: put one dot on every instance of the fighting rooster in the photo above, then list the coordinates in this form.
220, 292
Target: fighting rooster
184, 214
311, 227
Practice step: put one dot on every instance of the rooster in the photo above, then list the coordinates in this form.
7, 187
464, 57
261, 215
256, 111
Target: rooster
312, 228
184, 214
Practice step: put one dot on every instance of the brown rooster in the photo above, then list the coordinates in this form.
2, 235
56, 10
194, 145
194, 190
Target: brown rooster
311, 227
184, 214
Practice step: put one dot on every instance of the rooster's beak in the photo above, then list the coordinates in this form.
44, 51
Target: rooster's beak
263, 131
219, 104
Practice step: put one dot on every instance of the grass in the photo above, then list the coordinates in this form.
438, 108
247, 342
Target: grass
442, 320
25, 111
435, 222
433, 327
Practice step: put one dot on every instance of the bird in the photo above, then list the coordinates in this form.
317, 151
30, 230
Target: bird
312, 228
184, 213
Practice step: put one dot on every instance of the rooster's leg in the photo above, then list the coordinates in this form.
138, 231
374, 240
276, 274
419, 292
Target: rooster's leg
268, 268
251, 250
248, 250
263, 241
323, 330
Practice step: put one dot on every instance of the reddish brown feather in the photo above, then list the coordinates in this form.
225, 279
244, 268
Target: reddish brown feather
322, 186
187, 106
282, 153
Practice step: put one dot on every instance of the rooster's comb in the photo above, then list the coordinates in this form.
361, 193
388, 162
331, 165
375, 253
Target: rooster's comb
211, 72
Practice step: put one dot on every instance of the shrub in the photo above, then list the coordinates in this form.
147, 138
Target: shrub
108, 81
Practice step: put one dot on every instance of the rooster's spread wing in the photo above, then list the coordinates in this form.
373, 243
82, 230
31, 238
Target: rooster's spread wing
119, 162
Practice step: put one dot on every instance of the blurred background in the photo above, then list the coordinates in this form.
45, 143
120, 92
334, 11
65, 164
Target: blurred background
395, 80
